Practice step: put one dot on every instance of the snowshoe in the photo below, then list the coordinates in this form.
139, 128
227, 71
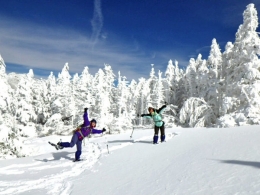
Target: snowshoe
77, 160
54, 145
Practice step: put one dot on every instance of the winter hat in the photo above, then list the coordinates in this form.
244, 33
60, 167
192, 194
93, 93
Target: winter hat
93, 120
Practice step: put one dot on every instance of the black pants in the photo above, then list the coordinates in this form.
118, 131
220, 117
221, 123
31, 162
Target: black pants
162, 129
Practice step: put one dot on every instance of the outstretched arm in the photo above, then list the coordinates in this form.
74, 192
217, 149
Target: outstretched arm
146, 115
96, 131
160, 110
86, 120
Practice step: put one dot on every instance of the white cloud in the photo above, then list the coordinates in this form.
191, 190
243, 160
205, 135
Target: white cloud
50, 48
96, 22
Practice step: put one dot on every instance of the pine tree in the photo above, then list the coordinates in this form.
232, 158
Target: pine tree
191, 77
123, 110
171, 84
140, 95
197, 113
243, 74
25, 111
202, 76
214, 92
151, 84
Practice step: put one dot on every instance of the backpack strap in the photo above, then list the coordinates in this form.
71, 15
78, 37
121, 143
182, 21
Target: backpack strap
81, 134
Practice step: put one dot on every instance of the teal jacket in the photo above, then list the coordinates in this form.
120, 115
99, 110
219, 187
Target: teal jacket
156, 116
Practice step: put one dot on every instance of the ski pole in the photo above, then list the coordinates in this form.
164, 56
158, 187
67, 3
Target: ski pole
132, 132
133, 127
107, 145
107, 149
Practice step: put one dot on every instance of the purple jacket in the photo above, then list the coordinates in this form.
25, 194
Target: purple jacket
86, 130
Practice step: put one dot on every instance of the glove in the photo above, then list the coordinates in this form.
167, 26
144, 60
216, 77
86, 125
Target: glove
142, 115
103, 130
85, 109
138, 115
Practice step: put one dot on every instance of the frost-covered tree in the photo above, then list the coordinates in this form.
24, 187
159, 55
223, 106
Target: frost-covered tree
215, 61
197, 113
171, 85
214, 91
63, 82
243, 74
101, 105
110, 92
65, 91
8, 134
191, 76
123, 110
140, 95
41, 100
84, 88
202, 76
134, 95
159, 98
25, 110
60, 100
151, 85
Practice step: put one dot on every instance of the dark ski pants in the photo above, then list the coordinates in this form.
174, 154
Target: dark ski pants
156, 132
74, 140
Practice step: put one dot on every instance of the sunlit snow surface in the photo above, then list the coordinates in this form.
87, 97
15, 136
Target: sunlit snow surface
192, 161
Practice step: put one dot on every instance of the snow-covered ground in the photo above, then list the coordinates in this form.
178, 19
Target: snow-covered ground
191, 162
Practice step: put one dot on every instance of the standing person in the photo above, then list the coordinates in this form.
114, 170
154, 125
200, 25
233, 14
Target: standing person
158, 123
84, 130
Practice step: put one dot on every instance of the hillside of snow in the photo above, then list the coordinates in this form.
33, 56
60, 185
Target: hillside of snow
193, 161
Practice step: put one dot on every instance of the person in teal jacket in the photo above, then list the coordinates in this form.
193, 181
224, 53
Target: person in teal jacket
155, 114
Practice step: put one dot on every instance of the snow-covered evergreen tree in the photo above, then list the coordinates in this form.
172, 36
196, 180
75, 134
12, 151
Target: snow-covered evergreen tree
171, 85
101, 105
226, 67
25, 111
214, 91
191, 76
197, 113
123, 114
202, 76
140, 95
243, 74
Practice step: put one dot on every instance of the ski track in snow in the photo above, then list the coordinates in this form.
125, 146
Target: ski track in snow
54, 180
58, 168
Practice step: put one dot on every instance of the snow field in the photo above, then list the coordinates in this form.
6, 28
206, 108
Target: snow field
193, 161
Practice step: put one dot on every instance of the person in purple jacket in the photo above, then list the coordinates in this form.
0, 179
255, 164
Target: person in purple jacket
87, 128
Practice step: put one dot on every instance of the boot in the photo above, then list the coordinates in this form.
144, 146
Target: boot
162, 138
59, 144
77, 155
155, 139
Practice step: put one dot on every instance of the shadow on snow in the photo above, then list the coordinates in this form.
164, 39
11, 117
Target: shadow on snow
240, 162
58, 156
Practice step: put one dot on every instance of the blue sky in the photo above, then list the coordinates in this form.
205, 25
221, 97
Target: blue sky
128, 35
